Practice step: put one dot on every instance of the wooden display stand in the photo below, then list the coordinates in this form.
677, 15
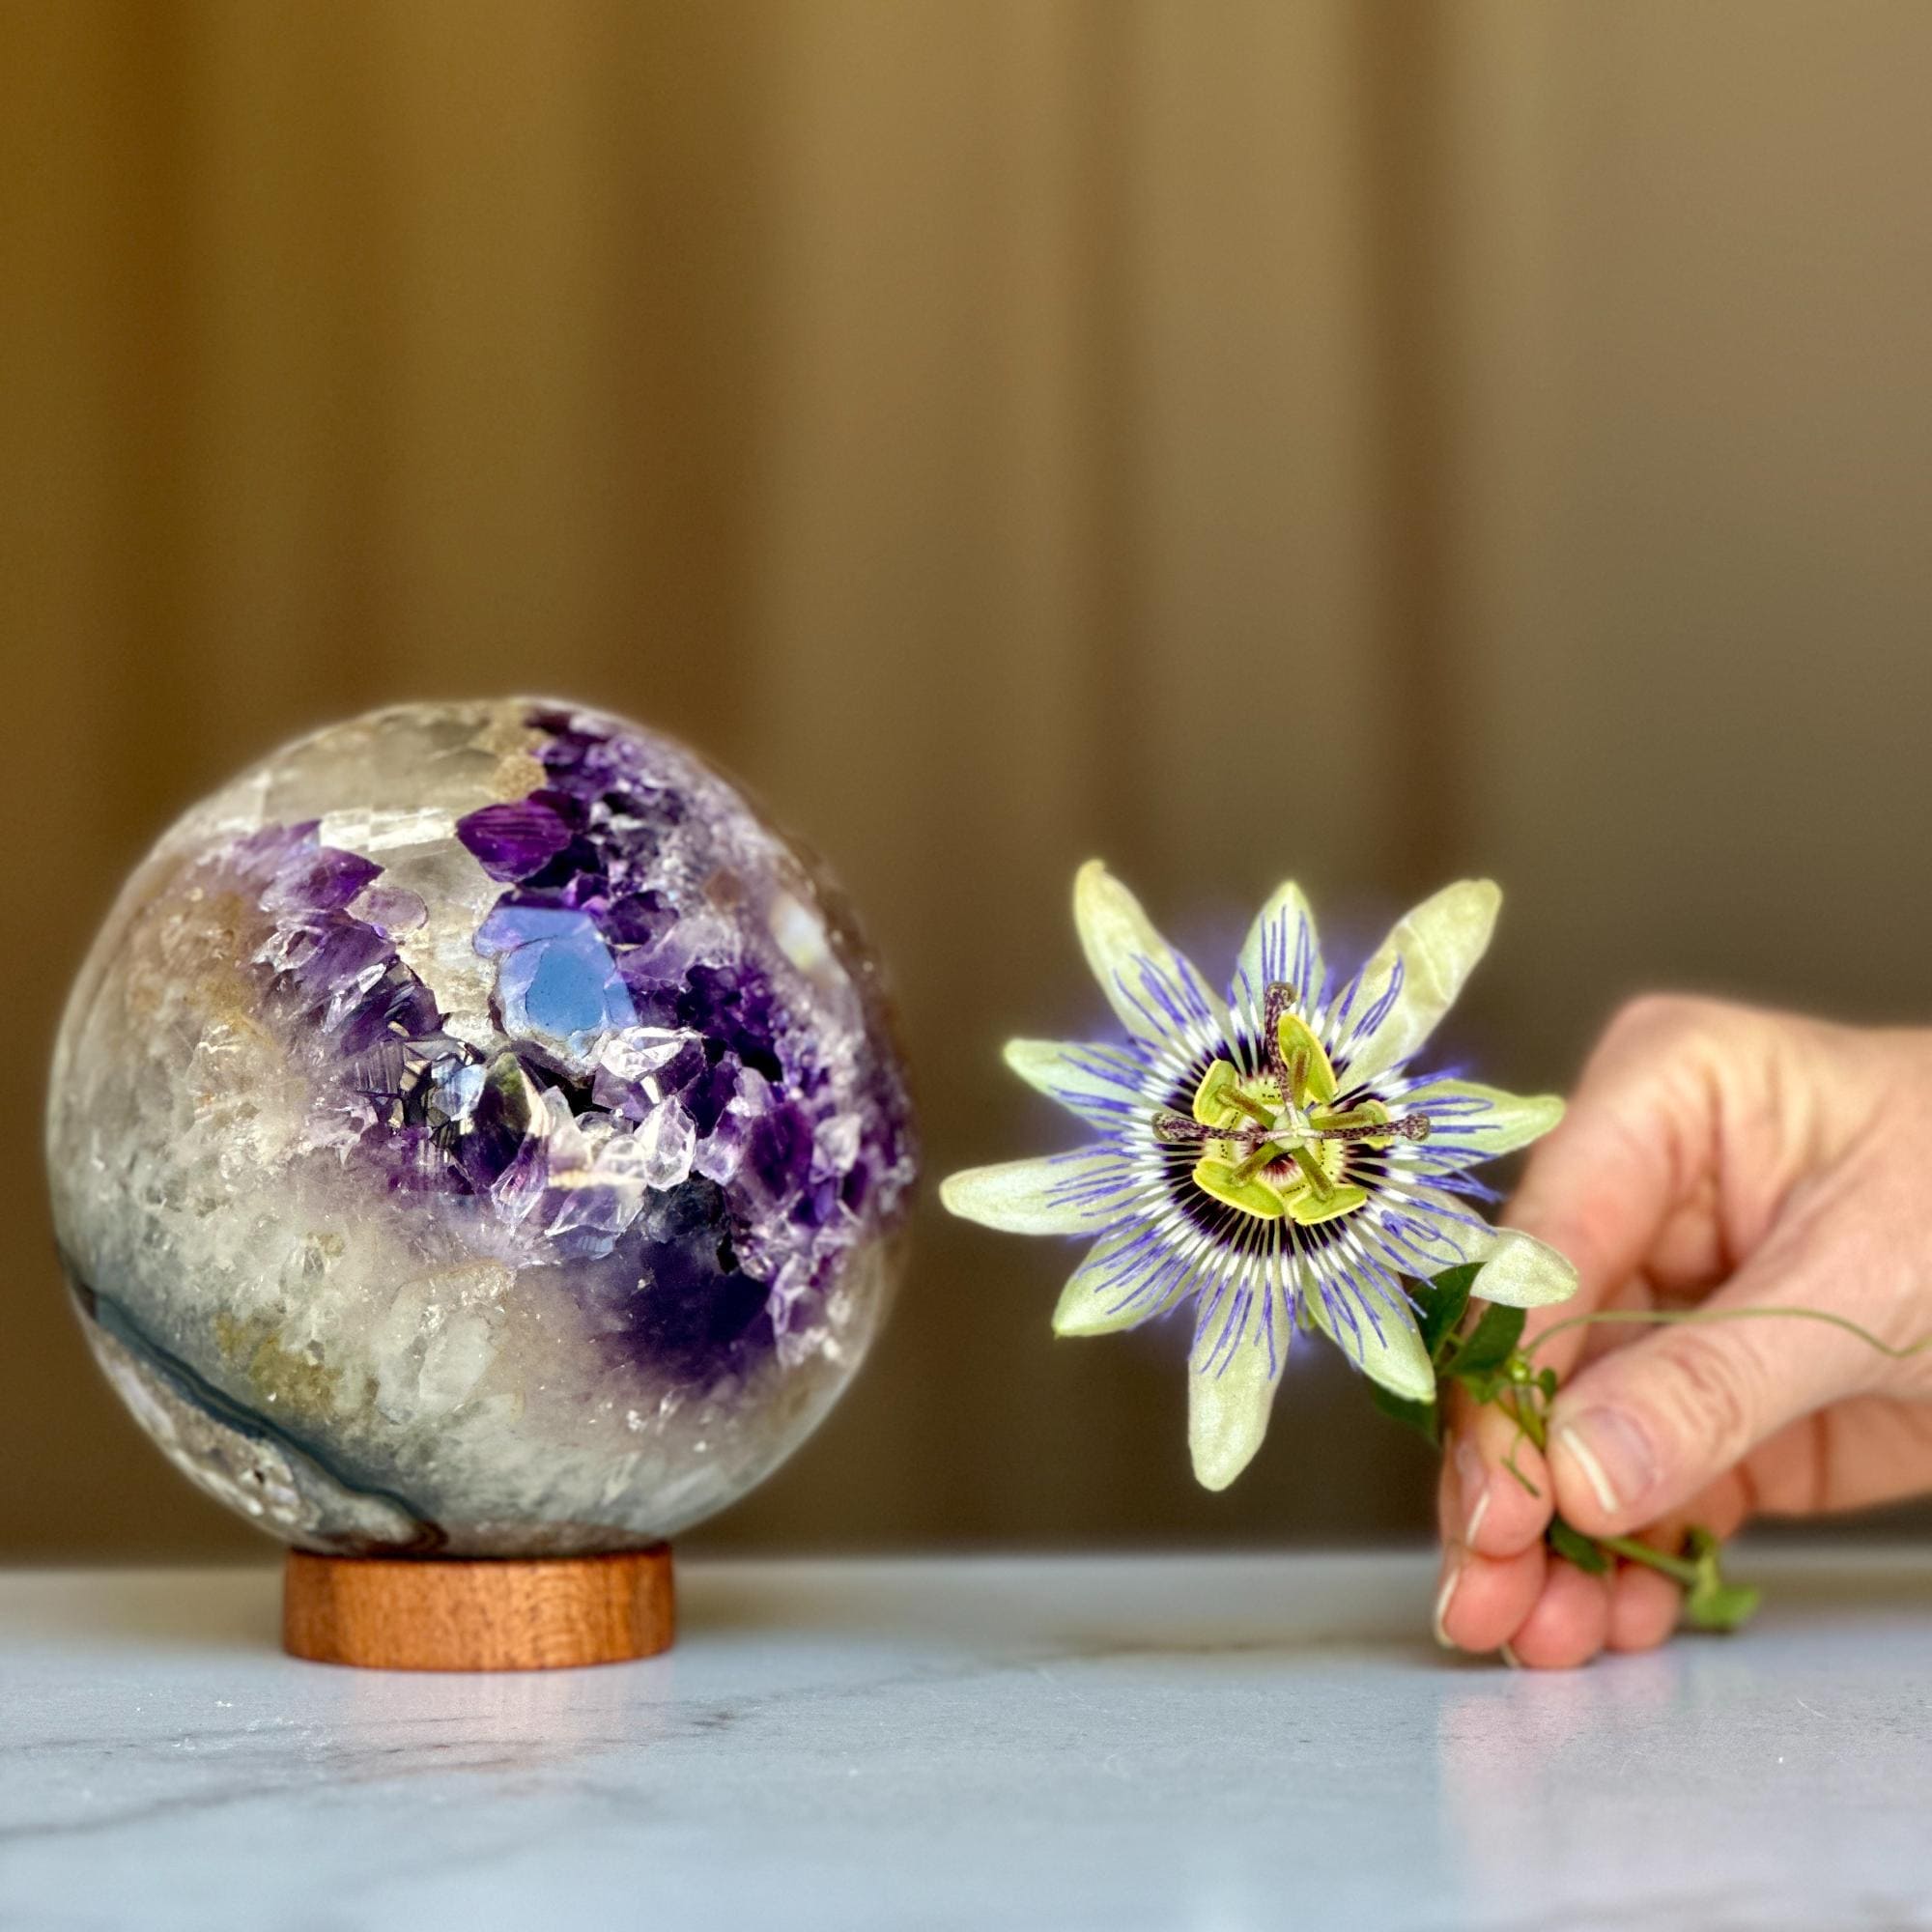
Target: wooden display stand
434, 1613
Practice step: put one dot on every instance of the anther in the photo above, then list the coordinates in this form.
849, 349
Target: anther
1265, 1155
1233, 1096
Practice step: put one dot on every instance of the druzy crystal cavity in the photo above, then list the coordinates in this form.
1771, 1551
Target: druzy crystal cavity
477, 1130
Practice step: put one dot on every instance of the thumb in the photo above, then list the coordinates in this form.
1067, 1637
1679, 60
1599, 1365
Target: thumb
1643, 1429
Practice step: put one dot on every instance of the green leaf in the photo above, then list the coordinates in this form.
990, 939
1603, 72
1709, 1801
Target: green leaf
1713, 1604
1486, 1385
1460, 1279
1440, 1306
1420, 1416
1574, 1546
1490, 1344
1545, 1381
1721, 1607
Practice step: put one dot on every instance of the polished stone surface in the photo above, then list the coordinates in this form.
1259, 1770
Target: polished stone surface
1207, 1743
477, 1131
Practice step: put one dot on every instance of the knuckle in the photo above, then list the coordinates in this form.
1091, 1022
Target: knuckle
1649, 1017
1715, 1391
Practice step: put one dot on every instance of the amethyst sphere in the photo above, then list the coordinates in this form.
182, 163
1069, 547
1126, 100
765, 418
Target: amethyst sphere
475, 1130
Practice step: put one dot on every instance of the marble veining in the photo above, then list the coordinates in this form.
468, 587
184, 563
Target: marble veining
1121, 1743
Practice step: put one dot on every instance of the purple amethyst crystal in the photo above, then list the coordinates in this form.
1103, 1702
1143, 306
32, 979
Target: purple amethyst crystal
478, 1119
514, 841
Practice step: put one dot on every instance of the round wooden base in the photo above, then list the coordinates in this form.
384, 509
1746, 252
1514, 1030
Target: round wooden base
432, 1613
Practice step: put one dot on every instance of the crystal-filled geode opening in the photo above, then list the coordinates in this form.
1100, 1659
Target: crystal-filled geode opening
476, 1129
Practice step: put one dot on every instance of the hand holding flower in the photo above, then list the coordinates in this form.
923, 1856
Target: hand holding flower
1749, 1165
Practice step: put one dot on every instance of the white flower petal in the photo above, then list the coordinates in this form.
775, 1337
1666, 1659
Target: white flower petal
1052, 1195
1428, 1230
1230, 1392
1282, 945
1494, 1122
1435, 948
1094, 1081
1523, 1272
1124, 949
1115, 1288
1395, 1358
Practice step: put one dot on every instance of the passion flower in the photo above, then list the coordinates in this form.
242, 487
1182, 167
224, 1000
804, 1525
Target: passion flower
1270, 1156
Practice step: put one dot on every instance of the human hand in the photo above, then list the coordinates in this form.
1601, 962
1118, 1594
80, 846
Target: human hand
1721, 1157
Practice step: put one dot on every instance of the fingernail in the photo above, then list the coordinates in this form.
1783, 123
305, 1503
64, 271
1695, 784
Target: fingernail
1476, 1516
1472, 1480
1444, 1597
1613, 1455
1509, 1657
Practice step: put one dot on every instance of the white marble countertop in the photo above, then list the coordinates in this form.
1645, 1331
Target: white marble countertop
1206, 1742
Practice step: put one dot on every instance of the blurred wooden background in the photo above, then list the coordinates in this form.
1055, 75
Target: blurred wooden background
1372, 440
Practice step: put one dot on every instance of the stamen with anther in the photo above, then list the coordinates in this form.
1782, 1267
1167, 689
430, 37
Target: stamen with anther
1233, 1096
1314, 1173
1265, 1155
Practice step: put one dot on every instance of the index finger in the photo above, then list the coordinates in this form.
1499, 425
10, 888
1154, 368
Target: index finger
1634, 1148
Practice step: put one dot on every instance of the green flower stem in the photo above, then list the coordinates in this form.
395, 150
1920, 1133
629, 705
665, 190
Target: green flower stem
1708, 1602
1678, 1568
1490, 1362
1528, 1415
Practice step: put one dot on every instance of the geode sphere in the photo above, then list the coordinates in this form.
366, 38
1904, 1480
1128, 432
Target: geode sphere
477, 1131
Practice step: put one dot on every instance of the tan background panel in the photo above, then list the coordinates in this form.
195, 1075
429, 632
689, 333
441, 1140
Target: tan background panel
1372, 442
